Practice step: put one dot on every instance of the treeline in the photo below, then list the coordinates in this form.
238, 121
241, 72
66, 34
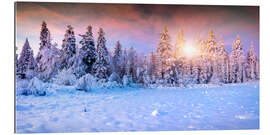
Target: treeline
168, 66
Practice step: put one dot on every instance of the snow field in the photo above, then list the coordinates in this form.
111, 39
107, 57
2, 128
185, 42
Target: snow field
233, 106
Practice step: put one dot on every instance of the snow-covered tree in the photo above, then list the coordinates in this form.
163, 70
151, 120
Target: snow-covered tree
102, 64
187, 71
251, 63
195, 71
26, 61
16, 61
164, 53
171, 75
49, 62
257, 69
45, 42
179, 44
212, 55
142, 76
68, 48
45, 36
117, 58
222, 62
124, 61
132, 64
237, 62
152, 67
48, 55
86, 56
204, 68
211, 42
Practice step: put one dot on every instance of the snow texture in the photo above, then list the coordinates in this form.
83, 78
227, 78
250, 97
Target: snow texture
202, 107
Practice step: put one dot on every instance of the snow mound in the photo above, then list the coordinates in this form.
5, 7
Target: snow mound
155, 113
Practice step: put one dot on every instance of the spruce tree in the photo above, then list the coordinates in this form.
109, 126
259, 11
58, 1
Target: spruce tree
251, 63
45, 42
86, 55
117, 57
212, 56
132, 64
152, 67
180, 43
16, 61
222, 62
26, 61
164, 52
237, 62
124, 62
102, 64
68, 48
47, 58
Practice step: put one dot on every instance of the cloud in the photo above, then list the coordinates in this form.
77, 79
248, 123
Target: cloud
136, 25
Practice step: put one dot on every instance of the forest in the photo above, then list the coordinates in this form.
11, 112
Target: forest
170, 65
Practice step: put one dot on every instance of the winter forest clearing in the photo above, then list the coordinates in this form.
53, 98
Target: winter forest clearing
180, 85
230, 106
81, 90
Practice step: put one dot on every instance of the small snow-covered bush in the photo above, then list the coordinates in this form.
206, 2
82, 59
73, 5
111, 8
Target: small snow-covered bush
86, 83
21, 85
34, 87
114, 77
126, 80
111, 85
65, 77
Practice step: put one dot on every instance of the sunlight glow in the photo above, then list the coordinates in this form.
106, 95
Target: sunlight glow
190, 51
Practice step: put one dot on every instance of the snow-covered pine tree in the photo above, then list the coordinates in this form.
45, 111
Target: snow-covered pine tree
102, 65
257, 69
16, 61
251, 63
49, 63
116, 59
171, 75
48, 56
124, 61
212, 55
222, 62
195, 70
204, 62
187, 71
68, 48
180, 42
237, 62
45, 42
132, 64
86, 55
26, 61
164, 52
152, 67
146, 78
211, 42
142, 76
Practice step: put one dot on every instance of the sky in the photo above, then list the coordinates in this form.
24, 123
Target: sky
137, 25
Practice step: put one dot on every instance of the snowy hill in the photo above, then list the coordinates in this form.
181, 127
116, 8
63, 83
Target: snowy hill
232, 106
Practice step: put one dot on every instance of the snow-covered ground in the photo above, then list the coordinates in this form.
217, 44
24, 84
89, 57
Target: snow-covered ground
232, 106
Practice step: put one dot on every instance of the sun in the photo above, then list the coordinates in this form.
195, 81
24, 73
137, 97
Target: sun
190, 51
